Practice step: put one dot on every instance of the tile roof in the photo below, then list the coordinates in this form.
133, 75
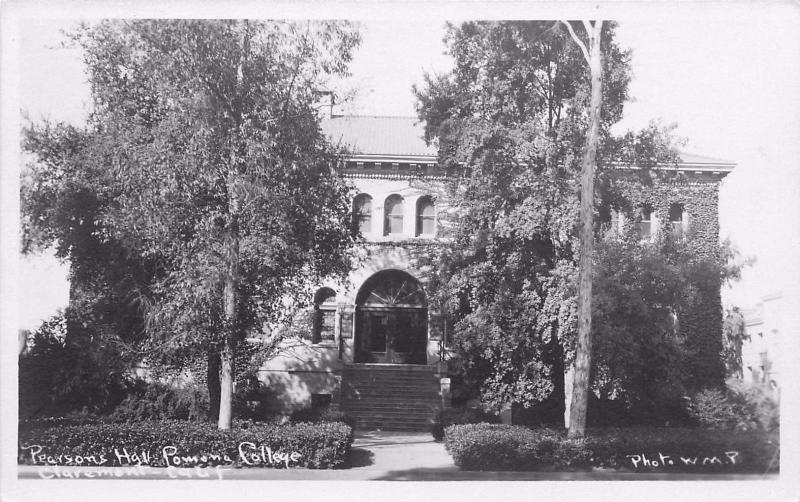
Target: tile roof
403, 136
379, 135
691, 158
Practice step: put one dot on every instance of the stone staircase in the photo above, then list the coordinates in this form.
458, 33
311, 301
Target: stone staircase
390, 397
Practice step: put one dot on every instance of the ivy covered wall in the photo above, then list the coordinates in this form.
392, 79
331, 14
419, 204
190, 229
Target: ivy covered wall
700, 311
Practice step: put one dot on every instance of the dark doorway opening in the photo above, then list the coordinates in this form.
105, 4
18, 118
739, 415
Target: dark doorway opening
391, 320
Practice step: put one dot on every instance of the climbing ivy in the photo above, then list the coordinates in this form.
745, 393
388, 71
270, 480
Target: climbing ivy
699, 310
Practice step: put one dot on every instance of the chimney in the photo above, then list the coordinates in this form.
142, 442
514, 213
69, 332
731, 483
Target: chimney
325, 102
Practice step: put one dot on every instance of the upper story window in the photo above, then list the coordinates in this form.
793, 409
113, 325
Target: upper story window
324, 315
644, 222
393, 215
426, 216
676, 220
362, 213
610, 218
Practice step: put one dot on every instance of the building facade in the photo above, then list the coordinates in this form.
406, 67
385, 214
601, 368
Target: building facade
761, 352
376, 341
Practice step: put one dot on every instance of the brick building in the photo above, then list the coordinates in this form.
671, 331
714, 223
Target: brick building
375, 341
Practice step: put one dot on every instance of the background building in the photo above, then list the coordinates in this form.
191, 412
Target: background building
761, 353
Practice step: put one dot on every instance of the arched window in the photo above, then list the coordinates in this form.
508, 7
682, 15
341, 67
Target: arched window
644, 222
362, 214
676, 220
324, 317
393, 215
426, 217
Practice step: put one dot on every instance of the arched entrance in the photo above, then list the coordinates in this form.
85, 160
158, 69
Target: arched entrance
391, 320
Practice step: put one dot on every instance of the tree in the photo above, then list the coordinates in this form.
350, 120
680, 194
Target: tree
512, 118
583, 352
219, 172
638, 348
64, 195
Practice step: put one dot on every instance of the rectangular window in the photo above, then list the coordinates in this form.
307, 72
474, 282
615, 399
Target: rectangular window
346, 325
676, 220
644, 224
365, 223
327, 331
427, 225
395, 224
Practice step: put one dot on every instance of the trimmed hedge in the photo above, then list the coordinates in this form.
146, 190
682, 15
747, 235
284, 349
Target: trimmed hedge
640, 449
500, 447
184, 444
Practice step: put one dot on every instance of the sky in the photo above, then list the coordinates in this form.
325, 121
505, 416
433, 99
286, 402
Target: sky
729, 77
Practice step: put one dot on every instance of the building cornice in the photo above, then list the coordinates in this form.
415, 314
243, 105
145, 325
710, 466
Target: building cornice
714, 170
400, 159
392, 176
720, 170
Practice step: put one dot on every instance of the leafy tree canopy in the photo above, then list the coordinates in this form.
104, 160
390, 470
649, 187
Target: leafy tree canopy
511, 118
199, 127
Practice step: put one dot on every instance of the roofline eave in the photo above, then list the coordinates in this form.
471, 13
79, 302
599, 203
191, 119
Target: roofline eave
716, 167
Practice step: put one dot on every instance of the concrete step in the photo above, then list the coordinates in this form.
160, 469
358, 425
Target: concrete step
397, 399
390, 397
412, 381
377, 421
396, 383
384, 409
406, 368
394, 426
390, 389
364, 379
396, 404
376, 411
389, 405
378, 386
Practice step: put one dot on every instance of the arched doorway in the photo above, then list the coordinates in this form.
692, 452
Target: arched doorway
391, 320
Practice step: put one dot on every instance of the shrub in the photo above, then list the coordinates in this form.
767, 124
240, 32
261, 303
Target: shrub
461, 415
506, 447
742, 406
760, 407
711, 408
317, 415
319, 446
159, 401
59, 375
251, 401
500, 447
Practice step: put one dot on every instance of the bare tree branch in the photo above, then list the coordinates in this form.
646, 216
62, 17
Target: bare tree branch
578, 41
587, 25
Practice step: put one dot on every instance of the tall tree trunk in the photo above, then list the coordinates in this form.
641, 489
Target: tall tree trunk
212, 381
231, 288
230, 293
583, 352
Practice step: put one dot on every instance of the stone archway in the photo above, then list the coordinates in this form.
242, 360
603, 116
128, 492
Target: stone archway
391, 320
